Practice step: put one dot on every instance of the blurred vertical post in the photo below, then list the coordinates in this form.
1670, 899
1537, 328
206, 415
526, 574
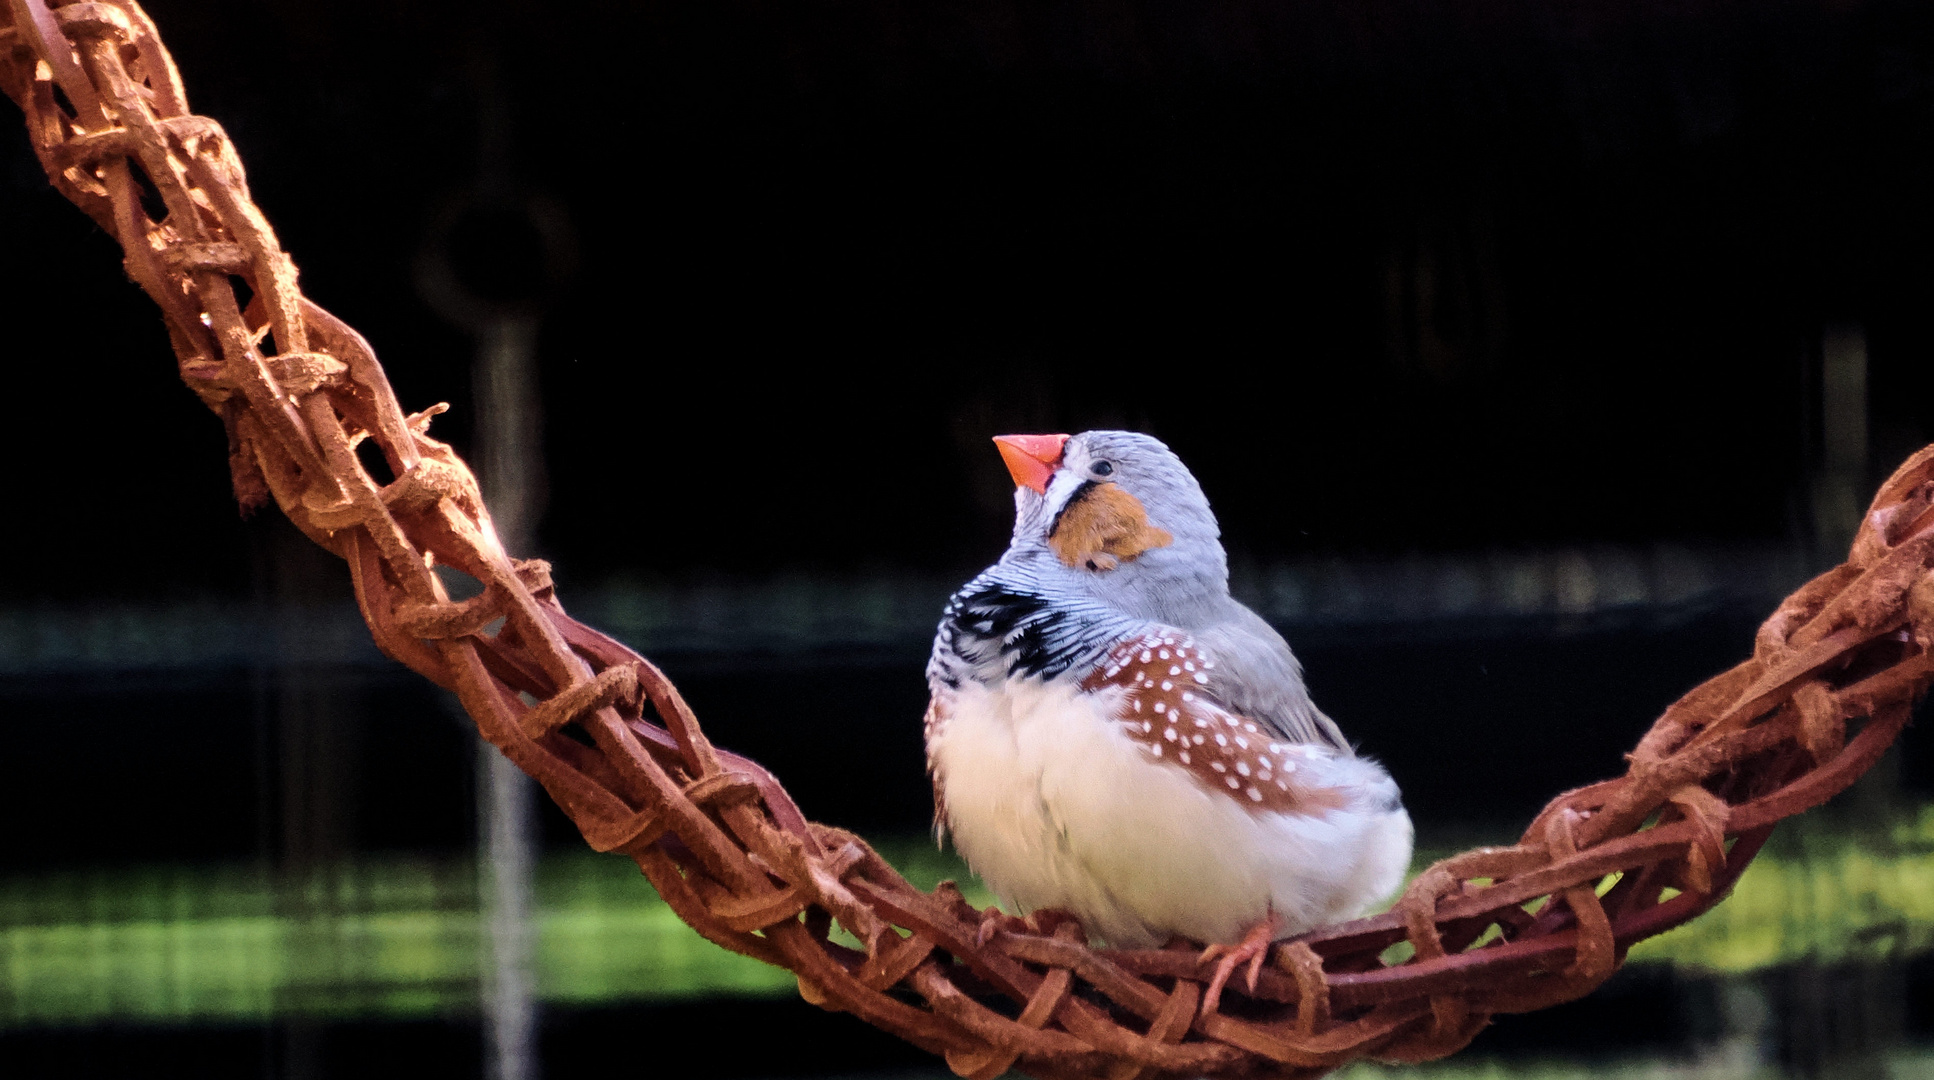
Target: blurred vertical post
308, 750
1842, 485
509, 427
1839, 485
1836, 1020
495, 258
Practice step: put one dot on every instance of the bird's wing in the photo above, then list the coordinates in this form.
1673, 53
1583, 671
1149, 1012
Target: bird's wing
1256, 675
1168, 704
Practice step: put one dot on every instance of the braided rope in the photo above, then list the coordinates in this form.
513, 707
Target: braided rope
1831, 682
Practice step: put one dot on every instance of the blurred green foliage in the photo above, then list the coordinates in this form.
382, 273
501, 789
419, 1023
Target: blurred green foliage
399, 937
1820, 891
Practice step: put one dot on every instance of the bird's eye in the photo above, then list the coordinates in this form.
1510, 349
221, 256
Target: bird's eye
1101, 468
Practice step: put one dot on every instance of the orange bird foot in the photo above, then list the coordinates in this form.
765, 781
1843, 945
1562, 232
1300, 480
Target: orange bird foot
1254, 947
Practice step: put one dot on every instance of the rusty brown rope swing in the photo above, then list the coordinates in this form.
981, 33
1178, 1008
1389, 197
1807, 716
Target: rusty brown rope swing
1831, 682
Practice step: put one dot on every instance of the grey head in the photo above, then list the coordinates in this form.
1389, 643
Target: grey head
1118, 518
1114, 521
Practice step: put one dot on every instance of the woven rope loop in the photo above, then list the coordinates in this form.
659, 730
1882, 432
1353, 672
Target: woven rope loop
1493, 930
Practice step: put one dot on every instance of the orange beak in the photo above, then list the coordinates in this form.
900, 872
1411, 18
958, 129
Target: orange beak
1031, 459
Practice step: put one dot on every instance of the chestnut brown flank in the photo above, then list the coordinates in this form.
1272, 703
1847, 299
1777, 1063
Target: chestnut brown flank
1168, 711
936, 720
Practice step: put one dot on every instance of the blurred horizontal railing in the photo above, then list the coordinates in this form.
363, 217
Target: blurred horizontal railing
1541, 591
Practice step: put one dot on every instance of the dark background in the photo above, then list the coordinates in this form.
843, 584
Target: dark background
1391, 276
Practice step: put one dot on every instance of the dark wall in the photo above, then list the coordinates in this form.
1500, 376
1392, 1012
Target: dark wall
1390, 275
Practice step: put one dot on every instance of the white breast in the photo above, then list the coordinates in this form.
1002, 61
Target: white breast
1054, 807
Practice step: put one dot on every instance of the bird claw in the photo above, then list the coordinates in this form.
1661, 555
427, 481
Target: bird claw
993, 921
1254, 947
1045, 922
1049, 922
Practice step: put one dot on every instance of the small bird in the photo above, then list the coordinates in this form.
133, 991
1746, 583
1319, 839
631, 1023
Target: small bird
1112, 736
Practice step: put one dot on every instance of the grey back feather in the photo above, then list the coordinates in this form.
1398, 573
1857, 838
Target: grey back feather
1257, 676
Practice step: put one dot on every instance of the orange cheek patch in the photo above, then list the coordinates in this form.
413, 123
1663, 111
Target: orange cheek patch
1105, 527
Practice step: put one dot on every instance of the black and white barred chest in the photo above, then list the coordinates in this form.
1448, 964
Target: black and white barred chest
992, 631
